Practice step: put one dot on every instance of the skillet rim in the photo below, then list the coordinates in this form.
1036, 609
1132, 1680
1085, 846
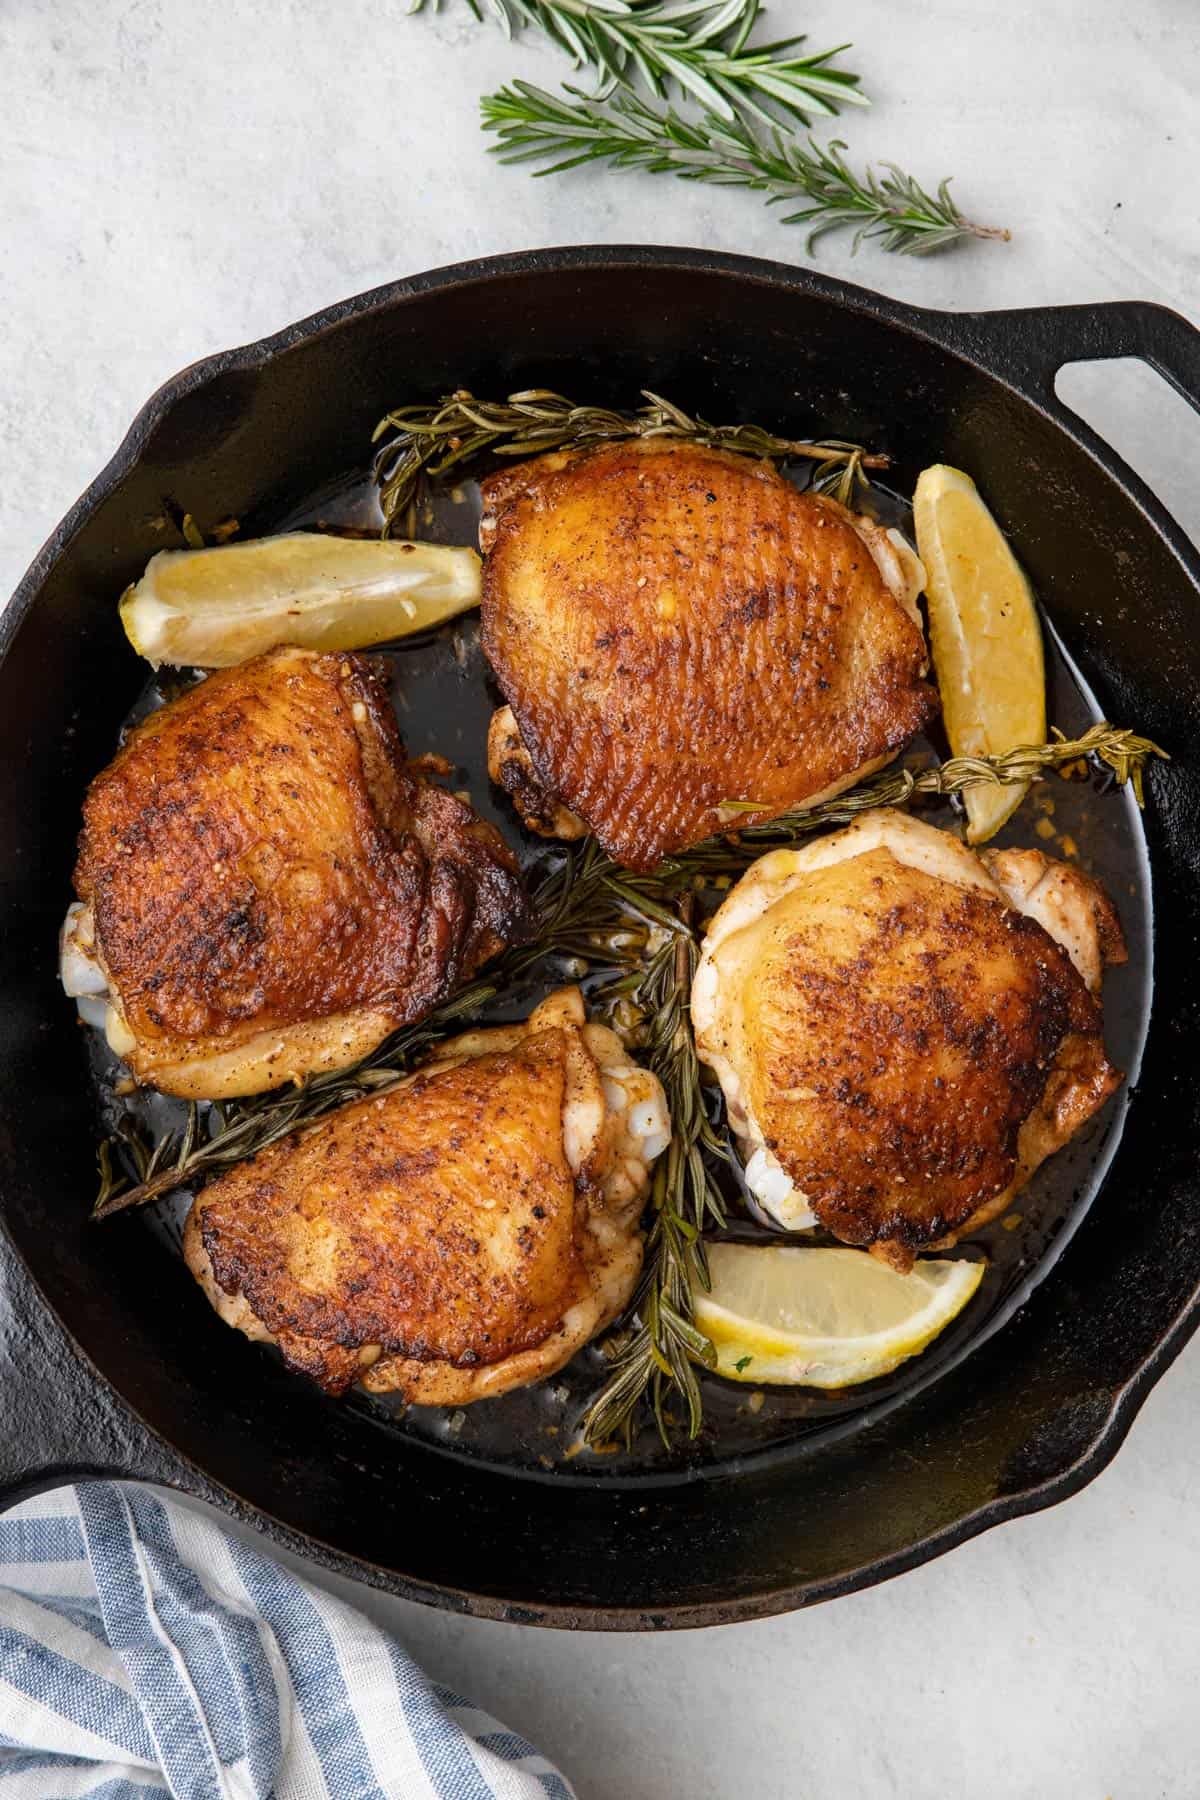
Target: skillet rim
989, 342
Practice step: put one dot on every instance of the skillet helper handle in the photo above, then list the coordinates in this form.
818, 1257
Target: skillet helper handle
59, 1421
1032, 344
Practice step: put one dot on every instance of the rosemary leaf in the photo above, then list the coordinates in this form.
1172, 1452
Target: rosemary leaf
433, 439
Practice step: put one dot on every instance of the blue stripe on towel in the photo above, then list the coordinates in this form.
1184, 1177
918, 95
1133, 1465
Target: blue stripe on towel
509, 1747
74, 1693
223, 1650
179, 1729
443, 1748
40, 1540
84, 1615
316, 1678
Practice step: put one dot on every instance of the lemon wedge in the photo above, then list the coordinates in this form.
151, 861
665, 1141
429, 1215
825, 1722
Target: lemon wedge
208, 609
823, 1318
986, 641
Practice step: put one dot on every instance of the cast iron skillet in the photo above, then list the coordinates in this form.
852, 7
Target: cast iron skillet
105, 1368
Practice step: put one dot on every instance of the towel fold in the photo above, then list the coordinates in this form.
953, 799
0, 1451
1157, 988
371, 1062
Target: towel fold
143, 1652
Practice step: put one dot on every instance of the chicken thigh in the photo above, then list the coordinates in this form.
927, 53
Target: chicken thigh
267, 888
904, 1030
675, 627
460, 1235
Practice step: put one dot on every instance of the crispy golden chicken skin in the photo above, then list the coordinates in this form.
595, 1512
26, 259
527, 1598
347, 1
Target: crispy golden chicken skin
268, 887
455, 1237
904, 1030
674, 627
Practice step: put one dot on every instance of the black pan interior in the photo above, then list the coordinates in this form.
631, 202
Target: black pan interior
443, 696
260, 435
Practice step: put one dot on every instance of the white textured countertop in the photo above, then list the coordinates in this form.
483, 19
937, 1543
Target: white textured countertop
174, 179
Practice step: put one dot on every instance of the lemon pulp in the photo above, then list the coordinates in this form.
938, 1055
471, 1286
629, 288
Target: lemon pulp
822, 1317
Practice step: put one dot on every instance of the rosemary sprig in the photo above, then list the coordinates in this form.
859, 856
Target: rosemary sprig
433, 439
1122, 752
627, 132
658, 1360
698, 47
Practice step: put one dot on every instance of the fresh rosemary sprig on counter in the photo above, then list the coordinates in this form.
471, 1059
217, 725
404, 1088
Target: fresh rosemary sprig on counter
698, 47
433, 439
744, 99
629, 133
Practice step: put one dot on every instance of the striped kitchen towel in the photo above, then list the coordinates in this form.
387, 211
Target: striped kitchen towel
144, 1653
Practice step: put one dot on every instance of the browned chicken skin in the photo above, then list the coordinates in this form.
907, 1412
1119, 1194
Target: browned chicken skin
675, 627
900, 1042
270, 888
457, 1236
511, 767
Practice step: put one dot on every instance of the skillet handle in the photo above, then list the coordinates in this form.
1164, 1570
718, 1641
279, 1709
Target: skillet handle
1031, 344
58, 1420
